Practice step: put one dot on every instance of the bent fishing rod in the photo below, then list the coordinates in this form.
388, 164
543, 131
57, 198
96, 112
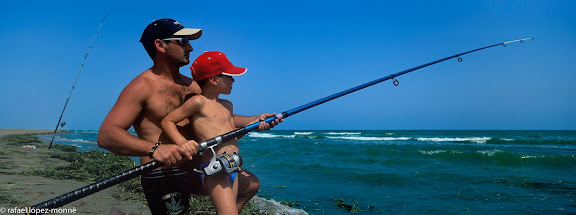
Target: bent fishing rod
75, 80
128, 174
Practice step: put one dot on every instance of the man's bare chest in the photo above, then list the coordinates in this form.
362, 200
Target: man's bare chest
165, 100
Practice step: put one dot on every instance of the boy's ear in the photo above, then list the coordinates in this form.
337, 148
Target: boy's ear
213, 80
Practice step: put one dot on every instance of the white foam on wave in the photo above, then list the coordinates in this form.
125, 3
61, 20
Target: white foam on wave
75, 140
343, 133
489, 153
433, 152
268, 135
88, 132
371, 138
274, 207
532, 156
455, 139
303, 133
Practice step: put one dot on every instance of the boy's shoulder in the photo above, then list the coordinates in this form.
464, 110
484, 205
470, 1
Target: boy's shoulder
190, 96
194, 99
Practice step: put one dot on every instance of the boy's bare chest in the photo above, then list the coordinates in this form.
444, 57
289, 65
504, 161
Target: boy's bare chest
217, 113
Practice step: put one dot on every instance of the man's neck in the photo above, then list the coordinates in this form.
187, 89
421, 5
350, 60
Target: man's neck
166, 71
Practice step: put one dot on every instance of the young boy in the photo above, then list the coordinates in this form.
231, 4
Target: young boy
211, 116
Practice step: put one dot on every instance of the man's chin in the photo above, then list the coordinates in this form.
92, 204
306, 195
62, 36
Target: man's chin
183, 63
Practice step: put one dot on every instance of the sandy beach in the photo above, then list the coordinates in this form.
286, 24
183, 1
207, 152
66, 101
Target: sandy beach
20, 189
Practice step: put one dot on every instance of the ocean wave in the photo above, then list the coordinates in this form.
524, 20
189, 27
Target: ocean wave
343, 133
303, 133
532, 156
547, 141
489, 153
433, 152
74, 140
268, 135
274, 207
569, 157
455, 139
371, 138
86, 131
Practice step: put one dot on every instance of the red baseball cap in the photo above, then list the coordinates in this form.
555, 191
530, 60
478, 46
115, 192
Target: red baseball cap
214, 63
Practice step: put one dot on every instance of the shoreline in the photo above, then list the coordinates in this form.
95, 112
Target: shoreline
20, 188
30, 175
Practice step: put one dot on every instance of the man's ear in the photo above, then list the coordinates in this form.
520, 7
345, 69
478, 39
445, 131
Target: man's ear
160, 45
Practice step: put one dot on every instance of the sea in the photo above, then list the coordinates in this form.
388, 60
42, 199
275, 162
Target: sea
407, 171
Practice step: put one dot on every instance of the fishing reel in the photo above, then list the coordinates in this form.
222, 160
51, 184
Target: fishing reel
226, 162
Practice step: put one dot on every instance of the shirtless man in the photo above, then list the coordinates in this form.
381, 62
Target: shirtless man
144, 102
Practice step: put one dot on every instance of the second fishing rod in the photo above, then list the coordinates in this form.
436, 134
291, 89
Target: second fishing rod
231, 161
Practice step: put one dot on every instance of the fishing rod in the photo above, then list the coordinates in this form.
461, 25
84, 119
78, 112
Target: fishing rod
78, 74
128, 174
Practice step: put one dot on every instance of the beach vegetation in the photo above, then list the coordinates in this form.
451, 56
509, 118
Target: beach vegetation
19, 139
8, 200
92, 166
203, 205
64, 148
352, 207
290, 203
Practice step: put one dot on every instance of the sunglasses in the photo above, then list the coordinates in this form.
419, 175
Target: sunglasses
182, 41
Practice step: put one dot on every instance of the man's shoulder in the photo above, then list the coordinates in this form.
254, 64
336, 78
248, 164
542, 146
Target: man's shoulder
226, 103
145, 79
140, 85
191, 84
187, 79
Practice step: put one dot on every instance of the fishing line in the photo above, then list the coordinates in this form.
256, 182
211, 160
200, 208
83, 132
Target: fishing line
128, 174
75, 80
277, 150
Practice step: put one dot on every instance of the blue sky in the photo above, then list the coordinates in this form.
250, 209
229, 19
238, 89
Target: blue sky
300, 51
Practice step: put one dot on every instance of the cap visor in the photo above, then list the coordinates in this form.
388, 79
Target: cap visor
193, 33
236, 71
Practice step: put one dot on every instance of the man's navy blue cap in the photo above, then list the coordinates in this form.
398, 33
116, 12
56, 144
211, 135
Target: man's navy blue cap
164, 28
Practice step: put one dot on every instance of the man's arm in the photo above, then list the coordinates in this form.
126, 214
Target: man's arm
114, 136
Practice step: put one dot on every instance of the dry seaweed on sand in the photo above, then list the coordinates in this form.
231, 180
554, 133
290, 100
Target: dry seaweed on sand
92, 166
19, 139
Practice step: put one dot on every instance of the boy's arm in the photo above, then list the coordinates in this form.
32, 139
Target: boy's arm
241, 121
188, 109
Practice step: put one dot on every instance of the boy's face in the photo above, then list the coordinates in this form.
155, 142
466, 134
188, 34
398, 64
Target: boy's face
225, 83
